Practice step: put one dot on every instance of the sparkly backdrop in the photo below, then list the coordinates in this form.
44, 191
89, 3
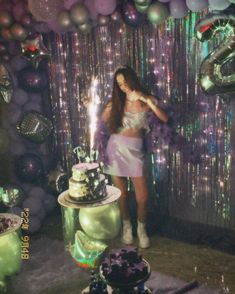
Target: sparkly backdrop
167, 58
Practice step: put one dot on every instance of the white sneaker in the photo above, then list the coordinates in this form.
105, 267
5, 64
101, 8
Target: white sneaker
127, 237
144, 241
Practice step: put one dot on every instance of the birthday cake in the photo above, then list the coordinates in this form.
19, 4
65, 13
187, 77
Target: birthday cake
87, 184
124, 265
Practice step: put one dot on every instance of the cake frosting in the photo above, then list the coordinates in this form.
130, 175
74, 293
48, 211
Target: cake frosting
124, 265
87, 184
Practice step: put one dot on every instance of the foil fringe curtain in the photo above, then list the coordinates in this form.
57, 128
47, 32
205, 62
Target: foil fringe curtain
167, 58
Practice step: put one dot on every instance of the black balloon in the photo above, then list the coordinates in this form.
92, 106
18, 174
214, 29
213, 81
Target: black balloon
29, 167
131, 16
32, 80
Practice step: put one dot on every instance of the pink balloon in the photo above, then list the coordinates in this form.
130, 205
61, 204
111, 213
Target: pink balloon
42, 27
14, 113
69, 3
91, 7
105, 7
178, 8
18, 11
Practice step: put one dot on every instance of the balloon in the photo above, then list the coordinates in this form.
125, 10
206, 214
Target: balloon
17, 148
35, 127
64, 19
69, 3
17, 210
13, 195
6, 87
142, 8
10, 246
4, 141
6, 34
157, 13
219, 4
18, 10
195, 5
178, 8
29, 167
26, 20
20, 97
105, 7
5, 58
212, 79
36, 192
103, 20
33, 49
49, 203
86, 251
5, 19
164, 1
79, 14
3, 48
44, 10
85, 27
232, 1
102, 222
116, 16
142, 2
33, 204
34, 224
58, 179
91, 7
131, 16
32, 80
18, 63
18, 32
14, 113
41, 214
33, 106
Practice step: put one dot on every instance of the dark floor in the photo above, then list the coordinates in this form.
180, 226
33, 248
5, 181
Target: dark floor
178, 259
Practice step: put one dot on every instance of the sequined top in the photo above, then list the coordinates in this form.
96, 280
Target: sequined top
136, 120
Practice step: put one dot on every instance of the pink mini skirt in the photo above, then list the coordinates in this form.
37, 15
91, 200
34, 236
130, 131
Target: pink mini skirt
125, 155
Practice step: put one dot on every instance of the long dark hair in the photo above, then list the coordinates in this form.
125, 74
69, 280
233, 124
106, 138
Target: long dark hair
119, 97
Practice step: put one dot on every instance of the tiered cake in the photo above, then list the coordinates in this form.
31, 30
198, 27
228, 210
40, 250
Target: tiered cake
87, 184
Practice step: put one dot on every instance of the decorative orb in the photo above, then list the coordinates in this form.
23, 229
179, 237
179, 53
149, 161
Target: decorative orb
5, 19
157, 13
79, 14
45, 10
131, 16
64, 19
105, 7
32, 80
18, 32
85, 27
102, 222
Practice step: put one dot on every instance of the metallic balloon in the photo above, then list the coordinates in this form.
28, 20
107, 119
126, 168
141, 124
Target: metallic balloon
3, 48
6, 34
35, 127
64, 19
131, 16
86, 251
29, 168
58, 179
26, 20
102, 222
105, 7
195, 5
219, 4
103, 20
142, 2
116, 16
157, 13
85, 27
12, 195
32, 80
5, 19
79, 14
142, 8
212, 79
18, 32
178, 8
34, 49
6, 85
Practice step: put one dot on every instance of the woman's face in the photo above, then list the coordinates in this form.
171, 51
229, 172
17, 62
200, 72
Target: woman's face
123, 84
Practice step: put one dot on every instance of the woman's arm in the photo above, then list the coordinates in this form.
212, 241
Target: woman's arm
152, 104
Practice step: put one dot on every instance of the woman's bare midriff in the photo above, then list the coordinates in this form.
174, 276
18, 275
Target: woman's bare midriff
134, 133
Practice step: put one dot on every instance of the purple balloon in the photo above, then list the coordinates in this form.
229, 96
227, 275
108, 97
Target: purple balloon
20, 97
33, 204
131, 16
195, 5
32, 80
178, 8
49, 203
29, 167
34, 224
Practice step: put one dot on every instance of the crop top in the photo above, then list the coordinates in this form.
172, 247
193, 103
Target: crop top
135, 120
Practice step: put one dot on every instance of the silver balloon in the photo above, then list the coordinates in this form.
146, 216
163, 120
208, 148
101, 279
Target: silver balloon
64, 19
116, 16
35, 127
142, 8
6, 88
18, 32
85, 27
79, 14
102, 222
103, 20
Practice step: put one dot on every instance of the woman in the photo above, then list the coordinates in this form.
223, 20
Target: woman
126, 119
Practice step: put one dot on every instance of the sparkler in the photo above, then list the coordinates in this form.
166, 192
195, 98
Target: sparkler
92, 112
